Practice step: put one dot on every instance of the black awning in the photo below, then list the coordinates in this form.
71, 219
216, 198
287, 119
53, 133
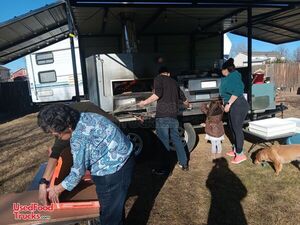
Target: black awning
32, 31
279, 28
273, 21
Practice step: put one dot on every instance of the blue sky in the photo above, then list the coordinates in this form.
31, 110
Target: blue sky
14, 8
263, 46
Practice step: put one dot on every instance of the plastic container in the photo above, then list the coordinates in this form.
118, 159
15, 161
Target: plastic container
258, 78
295, 120
295, 139
272, 127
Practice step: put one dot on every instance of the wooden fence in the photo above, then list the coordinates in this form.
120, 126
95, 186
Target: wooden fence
284, 75
15, 98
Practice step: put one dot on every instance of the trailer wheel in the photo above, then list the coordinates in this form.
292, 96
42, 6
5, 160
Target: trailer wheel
137, 142
188, 134
140, 140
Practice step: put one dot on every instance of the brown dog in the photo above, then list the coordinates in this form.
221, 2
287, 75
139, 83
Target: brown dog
278, 154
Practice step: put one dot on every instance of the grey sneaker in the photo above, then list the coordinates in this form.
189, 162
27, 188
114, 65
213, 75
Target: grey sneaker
183, 167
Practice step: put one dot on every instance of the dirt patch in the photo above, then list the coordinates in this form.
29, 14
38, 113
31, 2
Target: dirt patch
293, 103
207, 194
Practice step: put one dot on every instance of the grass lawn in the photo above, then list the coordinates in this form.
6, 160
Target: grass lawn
210, 193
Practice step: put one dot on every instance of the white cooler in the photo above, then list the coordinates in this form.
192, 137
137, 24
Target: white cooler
296, 121
272, 127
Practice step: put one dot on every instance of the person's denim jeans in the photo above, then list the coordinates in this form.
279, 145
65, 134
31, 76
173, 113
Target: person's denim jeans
112, 191
166, 130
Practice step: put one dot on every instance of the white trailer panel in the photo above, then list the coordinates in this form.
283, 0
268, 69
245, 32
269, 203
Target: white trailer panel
50, 73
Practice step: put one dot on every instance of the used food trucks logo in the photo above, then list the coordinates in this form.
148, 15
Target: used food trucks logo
31, 212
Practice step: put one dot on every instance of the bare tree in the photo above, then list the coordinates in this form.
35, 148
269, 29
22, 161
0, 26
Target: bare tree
237, 48
283, 52
297, 54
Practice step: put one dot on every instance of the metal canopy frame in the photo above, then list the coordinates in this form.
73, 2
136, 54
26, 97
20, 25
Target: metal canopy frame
37, 45
35, 30
151, 19
280, 9
222, 18
282, 27
32, 31
261, 21
73, 55
104, 20
23, 40
182, 3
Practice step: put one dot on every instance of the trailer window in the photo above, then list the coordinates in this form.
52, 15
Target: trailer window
47, 76
44, 58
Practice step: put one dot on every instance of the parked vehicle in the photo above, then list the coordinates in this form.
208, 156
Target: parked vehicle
50, 73
118, 81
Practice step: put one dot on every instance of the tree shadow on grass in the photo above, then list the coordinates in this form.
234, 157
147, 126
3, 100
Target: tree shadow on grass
227, 192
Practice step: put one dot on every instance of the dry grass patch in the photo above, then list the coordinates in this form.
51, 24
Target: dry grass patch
23, 148
233, 194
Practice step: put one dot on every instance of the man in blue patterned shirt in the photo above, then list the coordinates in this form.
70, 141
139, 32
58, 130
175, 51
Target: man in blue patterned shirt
98, 145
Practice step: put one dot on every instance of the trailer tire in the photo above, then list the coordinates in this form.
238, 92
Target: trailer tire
192, 137
188, 134
140, 139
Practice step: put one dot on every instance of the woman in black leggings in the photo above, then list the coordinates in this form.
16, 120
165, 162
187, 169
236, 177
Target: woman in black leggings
231, 90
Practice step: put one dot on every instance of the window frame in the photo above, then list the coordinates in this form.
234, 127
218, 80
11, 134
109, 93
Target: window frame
39, 75
41, 53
